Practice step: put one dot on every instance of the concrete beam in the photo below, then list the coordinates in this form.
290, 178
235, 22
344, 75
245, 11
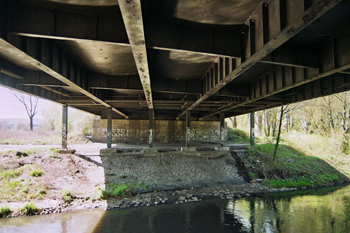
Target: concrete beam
252, 129
188, 128
109, 128
58, 67
132, 17
259, 45
64, 126
150, 128
222, 128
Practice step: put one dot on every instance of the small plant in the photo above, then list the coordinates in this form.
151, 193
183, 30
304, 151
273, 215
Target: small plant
121, 176
66, 195
115, 190
4, 211
29, 209
36, 173
41, 192
253, 176
54, 150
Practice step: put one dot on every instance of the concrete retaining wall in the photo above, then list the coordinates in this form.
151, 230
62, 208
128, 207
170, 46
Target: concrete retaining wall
172, 171
136, 131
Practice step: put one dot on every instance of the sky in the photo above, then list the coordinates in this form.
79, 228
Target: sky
10, 107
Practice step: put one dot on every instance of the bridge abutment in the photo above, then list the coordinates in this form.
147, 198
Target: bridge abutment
159, 131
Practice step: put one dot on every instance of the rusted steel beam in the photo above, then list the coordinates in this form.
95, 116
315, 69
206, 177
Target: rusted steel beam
63, 25
334, 60
305, 57
10, 51
56, 91
132, 17
293, 25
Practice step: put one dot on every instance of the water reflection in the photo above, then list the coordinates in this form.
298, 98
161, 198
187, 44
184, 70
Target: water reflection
317, 211
78, 221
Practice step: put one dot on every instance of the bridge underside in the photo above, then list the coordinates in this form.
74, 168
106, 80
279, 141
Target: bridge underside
162, 59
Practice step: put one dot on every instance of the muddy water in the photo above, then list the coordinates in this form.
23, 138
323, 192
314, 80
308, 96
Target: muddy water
309, 211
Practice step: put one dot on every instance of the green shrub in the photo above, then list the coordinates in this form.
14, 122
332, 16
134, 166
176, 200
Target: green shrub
36, 173
29, 209
10, 173
115, 190
66, 195
4, 211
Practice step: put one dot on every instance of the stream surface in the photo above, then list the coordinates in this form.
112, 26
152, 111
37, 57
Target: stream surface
309, 211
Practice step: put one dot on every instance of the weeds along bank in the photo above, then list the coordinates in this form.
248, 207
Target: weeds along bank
292, 168
325, 147
44, 181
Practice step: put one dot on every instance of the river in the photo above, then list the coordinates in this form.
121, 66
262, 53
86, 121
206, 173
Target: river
309, 211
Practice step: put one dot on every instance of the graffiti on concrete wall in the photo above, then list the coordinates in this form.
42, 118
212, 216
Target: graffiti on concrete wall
200, 132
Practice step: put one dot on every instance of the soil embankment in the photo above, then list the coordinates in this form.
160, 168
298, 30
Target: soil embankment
66, 182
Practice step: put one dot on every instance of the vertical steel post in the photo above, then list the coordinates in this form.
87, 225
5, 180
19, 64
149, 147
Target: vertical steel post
109, 128
150, 128
252, 130
188, 128
222, 128
64, 126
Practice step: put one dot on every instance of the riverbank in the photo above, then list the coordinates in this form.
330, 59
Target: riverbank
67, 182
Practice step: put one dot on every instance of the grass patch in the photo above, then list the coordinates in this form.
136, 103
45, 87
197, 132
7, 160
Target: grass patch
66, 195
13, 173
29, 209
36, 173
4, 211
18, 184
237, 136
115, 190
292, 168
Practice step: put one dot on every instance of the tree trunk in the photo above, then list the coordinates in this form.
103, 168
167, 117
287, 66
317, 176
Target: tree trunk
345, 147
233, 121
330, 115
278, 135
31, 123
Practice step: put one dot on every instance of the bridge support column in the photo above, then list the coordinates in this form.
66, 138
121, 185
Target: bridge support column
252, 129
188, 128
150, 129
64, 126
109, 128
222, 128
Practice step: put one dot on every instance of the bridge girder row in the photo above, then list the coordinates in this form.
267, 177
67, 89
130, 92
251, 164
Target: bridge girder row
250, 62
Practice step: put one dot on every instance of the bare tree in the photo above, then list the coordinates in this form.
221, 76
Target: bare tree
284, 111
345, 121
233, 121
30, 103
